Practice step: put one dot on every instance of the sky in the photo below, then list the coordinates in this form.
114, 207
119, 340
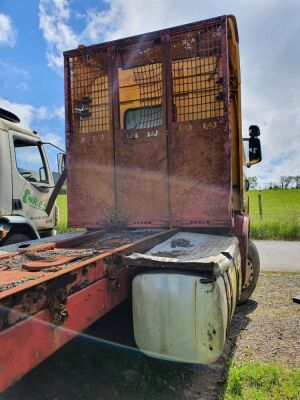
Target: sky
34, 34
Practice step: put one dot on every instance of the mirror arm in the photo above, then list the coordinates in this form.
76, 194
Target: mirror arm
51, 144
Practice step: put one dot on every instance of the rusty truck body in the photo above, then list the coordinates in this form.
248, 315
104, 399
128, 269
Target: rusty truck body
155, 173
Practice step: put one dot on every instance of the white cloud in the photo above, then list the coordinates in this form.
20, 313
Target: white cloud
54, 17
29, 114
46, 113
25, 112
28, 158
8, 33
53, 138
270, 59
60, 112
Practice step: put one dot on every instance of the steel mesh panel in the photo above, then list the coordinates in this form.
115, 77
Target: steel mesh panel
140, 84
89, 93
197, 75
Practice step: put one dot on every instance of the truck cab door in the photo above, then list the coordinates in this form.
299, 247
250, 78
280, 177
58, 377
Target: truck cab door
32, 180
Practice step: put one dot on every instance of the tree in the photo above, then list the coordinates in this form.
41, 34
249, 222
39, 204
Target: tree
252, 182
286, 181
297, 181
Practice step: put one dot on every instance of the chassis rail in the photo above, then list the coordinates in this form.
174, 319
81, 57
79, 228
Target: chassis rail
40, 314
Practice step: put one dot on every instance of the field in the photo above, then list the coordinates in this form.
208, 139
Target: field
62, 206
280, 219
280, 214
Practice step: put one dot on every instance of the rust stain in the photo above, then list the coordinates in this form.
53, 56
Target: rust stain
51, 262
24, 293
174, 170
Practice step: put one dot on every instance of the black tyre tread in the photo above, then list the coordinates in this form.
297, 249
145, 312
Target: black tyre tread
15, 238
254, 258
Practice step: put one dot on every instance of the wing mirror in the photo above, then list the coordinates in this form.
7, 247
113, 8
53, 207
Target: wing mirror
254, 145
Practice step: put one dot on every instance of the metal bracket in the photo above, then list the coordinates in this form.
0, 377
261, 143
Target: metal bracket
57, 307
114, 282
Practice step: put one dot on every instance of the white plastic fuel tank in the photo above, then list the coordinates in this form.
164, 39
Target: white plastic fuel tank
180, 316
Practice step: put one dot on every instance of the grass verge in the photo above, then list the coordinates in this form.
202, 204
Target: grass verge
62, 226
263, 381
276, 230
280, 214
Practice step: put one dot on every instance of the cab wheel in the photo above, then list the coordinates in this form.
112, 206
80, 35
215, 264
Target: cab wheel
15, 238
254, 266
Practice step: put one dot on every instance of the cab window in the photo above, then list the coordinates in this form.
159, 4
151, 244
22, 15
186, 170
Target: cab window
143, 117
30, 161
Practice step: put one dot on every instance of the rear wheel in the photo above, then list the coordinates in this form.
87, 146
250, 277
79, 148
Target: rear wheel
15, 238
254, 266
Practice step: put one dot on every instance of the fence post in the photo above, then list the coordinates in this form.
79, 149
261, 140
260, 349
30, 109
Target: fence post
260, 206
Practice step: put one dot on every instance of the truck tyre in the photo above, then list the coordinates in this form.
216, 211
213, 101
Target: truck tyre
254, 264
16, 238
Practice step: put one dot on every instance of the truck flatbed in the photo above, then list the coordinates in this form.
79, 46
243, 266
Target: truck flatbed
52, 291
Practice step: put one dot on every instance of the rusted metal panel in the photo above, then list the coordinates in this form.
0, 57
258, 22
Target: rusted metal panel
45, 312
49, 262
141, 152
199, 142
142, 186
199, 182
90, 147
29, 292
29, 297
165, 159
40, 338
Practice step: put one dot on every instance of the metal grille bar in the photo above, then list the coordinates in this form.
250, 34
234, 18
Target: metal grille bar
197, 76
89, 93
140, 85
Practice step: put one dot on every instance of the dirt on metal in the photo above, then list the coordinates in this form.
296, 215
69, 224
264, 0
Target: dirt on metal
24, 267
17, 262
113, 240
181, 243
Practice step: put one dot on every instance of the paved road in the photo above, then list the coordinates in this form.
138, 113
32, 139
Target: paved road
279, 255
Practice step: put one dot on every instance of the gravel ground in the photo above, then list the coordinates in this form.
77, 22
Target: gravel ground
265, 329
271, 322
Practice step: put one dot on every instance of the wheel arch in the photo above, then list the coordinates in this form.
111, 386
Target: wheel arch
13, 224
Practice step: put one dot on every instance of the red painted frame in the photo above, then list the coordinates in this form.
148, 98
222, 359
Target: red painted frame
40, 338
31, 336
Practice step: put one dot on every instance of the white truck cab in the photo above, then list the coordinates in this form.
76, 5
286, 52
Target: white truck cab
26, 183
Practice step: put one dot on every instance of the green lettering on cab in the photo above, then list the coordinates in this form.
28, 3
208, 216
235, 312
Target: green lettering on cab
30, 199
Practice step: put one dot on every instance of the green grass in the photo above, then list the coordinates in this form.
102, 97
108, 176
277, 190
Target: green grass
63, 208
263, 381
63, 215
280, 216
